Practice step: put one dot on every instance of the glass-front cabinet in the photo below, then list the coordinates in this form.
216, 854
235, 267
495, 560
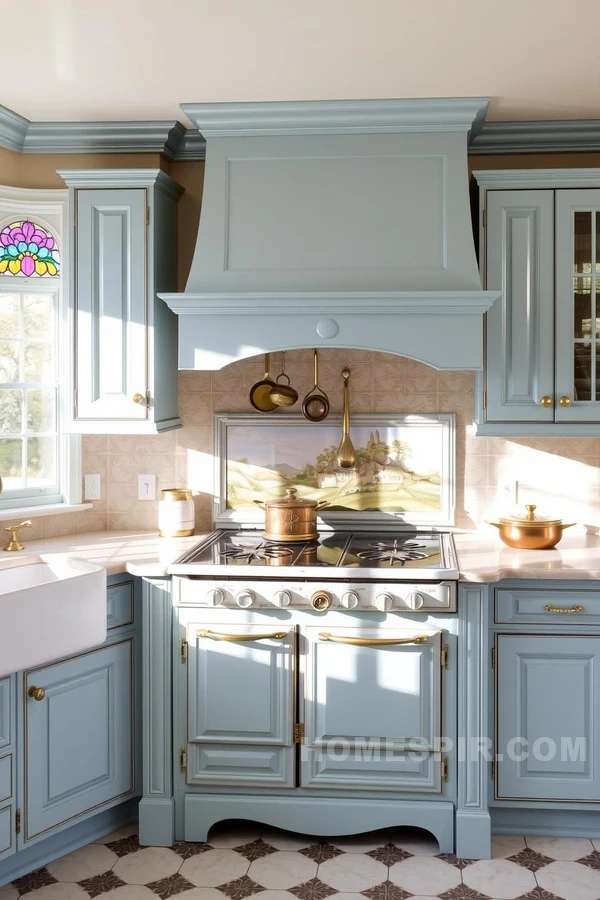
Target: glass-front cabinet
540, 245
577, 305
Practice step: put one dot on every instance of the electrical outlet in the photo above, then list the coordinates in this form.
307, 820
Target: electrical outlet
146, 487
508, 491
92, 487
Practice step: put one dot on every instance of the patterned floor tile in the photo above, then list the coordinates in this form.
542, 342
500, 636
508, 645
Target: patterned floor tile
126, 844
361, 843
134, 892
321, 852
417, 842
101, 884
387, 890
539, 893
282, 870
286, 840
561, 848
170, 886
459, 861
59, 891
592, 860
499, 878
530, 859
240, 888
389, 854
83, 863
570, 881
225, 835
314, 889
462, 892
186, 849
8, 892
114, 836
148, 864
36, 879
214, 867
255, 849
425, 875
353, 872
504, 845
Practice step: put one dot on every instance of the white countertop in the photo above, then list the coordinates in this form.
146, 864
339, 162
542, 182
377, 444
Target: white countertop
482, 556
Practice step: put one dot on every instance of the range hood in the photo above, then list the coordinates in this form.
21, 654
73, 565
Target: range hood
335, 224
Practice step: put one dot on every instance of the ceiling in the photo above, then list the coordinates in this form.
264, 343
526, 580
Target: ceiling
124, 60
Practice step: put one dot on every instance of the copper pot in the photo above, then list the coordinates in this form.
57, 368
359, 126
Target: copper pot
530, 532
291, 518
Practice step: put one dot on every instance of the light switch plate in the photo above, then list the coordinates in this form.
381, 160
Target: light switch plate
92, 487
146, 487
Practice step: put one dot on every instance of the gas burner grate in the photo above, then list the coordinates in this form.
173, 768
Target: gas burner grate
395, 553
263, 551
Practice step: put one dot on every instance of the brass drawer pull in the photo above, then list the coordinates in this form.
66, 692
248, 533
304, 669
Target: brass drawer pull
36, 693
220, 636
563, 609
372, 642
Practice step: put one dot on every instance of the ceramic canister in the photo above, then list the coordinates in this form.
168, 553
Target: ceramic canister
176, 513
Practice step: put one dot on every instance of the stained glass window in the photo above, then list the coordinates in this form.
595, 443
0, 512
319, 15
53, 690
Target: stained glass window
28, 249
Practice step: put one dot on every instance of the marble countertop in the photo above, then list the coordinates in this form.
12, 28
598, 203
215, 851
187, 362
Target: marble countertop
482, 556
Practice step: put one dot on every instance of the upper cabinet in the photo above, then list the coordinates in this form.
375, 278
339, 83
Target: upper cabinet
123, 253
538, 245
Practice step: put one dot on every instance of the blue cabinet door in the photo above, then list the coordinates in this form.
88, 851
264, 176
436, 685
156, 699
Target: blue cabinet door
519, 329
548, 720
78, 737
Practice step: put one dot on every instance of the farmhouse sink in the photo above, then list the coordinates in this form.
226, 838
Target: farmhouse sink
50, 606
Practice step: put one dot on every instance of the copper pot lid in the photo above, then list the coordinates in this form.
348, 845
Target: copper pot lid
529, 519
290, 501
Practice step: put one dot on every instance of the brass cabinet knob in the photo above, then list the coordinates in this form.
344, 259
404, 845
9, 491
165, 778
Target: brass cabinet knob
36, 692
320, 600
546, 401
565, 401
138, 398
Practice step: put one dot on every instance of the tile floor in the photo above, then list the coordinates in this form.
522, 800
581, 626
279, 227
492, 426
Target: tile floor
242, 861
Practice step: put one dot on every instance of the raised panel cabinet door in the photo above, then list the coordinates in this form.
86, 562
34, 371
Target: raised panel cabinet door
78, 737
520, 324
371, 711
547, 717
578, 305
241, 702
111, 304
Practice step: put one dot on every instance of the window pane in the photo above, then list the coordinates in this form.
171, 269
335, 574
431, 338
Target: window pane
9, 361
11, 404
583, 371
582, 307
39, 318
11, 463
41, 461
582, 242
39, 362
41, 410
26, 248
9, 315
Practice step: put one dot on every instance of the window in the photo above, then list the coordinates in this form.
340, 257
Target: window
37, 462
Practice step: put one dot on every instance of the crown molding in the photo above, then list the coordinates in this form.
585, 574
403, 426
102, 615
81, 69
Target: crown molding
530, 179
564, 136
337, 116
13, 129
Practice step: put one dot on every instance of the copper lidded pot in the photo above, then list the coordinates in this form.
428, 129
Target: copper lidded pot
291, 518
530, 531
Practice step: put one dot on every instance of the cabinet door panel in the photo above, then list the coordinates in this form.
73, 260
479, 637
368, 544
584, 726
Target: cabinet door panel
578, 305
352, 740
79, 738
225, 764
548, 722
519, 331
7, 843
110, 298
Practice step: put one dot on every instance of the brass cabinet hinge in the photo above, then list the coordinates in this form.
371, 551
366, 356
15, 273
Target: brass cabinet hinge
493, 657
444, 768
444, 656
147, 215
485, 400
183, 649
147, 399
18, 821
182, 759
299, 733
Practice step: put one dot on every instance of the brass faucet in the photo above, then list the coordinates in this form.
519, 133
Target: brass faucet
14, 543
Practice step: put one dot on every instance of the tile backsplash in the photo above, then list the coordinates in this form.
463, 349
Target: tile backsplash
560, 475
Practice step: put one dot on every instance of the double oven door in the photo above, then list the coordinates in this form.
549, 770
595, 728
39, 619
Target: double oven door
290, 702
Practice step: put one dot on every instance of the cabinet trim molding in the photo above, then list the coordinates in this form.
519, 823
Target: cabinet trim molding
515, 179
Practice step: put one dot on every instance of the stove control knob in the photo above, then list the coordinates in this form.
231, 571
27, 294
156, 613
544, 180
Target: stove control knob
282, 598
349, 600
384, 602
244, 598
215, 597
414, 600
320, 600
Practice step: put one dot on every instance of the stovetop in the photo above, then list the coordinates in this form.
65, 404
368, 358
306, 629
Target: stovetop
406, 555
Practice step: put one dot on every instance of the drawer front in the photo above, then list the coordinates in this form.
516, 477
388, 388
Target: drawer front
533, 606
224, 764
119, 605
6, 777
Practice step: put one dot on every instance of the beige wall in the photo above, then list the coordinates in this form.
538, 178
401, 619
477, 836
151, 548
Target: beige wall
559, 474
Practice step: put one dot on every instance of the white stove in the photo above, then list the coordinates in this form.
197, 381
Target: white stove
385, 571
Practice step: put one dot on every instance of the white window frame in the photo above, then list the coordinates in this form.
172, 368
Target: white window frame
50, 209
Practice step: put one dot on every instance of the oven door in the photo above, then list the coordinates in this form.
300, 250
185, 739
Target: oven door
372, 708
241, 705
